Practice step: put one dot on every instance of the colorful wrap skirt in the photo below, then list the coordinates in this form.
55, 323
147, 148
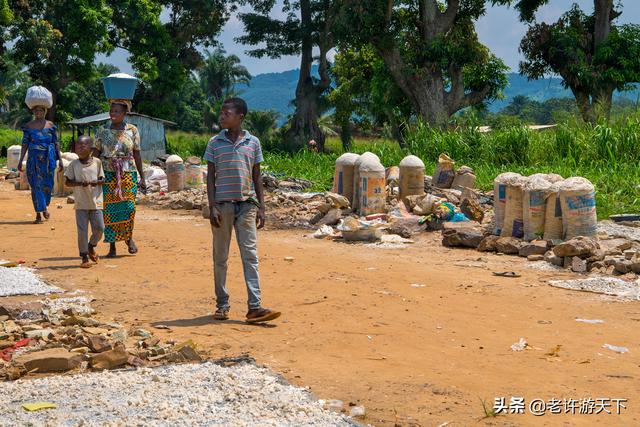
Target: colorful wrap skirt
119, 209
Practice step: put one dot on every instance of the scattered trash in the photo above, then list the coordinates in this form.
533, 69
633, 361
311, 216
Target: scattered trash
37, 406
520, 345
323, 232
289, 258
417, 285
591, 321
615, 348
357, 411
161, 327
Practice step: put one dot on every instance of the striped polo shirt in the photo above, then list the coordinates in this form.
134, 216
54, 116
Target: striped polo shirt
234, 163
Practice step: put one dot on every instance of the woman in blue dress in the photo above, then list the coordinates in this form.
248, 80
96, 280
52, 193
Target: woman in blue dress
41, 143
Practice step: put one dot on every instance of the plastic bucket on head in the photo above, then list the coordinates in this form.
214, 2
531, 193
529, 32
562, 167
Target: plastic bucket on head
119, 86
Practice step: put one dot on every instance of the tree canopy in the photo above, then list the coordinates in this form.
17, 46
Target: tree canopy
593, 56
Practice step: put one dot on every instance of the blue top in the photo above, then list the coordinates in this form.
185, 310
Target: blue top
40, 139
234, 163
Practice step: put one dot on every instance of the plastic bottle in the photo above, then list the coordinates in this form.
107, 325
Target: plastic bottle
411, 177
175, 173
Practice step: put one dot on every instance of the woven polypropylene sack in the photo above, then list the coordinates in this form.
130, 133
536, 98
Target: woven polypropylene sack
553, 214
513, 212
578, 201
500, 199
444, 174
536, 192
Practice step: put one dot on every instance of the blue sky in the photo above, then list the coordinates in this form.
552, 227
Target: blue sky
499, 29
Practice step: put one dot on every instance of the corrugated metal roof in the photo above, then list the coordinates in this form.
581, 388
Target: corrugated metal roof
103, 117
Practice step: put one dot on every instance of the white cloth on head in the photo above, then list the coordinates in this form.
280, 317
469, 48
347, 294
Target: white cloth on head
38, 96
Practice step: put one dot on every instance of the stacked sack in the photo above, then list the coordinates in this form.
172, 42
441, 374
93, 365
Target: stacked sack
543, 206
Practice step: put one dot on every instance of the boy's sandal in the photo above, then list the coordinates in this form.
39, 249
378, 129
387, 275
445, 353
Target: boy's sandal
221, 314
85, 264
46, 214
262, 315
37, 221
93, 255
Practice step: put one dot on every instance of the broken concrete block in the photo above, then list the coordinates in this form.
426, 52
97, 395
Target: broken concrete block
98, 343
50, 360
110, 359
578, 265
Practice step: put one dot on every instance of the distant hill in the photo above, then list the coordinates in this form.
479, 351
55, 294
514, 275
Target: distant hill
275, 91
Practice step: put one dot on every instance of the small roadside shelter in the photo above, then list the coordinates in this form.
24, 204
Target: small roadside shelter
153, 139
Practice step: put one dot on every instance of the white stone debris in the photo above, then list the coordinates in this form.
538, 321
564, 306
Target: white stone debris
601, 285
23, 281
203, 394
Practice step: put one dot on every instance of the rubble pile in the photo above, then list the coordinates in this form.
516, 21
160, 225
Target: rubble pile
62, 334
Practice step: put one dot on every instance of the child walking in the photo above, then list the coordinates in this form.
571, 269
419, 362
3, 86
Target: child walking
86, 176
236, 201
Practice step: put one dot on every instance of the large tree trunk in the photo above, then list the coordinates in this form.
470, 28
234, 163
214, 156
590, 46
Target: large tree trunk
604, 14
584, 105
304, 126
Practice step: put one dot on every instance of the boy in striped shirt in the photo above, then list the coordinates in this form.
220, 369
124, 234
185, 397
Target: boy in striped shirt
236, 201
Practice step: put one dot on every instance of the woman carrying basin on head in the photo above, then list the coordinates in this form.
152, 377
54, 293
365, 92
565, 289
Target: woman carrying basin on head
117, 144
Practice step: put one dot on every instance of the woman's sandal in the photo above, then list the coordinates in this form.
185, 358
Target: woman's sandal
221, 314
38, 221
133, 249
46, 215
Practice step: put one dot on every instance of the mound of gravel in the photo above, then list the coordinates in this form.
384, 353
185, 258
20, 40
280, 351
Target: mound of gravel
23, 281
174, 395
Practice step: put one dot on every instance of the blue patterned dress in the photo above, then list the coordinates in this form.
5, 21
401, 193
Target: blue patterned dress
41, 164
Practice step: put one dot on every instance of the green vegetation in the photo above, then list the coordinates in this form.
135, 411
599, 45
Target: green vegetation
607, 155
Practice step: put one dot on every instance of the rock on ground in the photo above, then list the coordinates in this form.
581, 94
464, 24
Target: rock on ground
50, 360
177, 395
583, 247
508, 245
462, 234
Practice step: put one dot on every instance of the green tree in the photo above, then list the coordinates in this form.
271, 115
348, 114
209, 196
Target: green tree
431, 50
164, 53
190, 104
262, 124
366, 89
593, 56
218, 77
57, 41
308, 25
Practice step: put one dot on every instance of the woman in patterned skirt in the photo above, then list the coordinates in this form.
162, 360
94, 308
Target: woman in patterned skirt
118, 146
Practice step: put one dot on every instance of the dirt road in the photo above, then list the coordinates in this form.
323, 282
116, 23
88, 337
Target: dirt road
354, 328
